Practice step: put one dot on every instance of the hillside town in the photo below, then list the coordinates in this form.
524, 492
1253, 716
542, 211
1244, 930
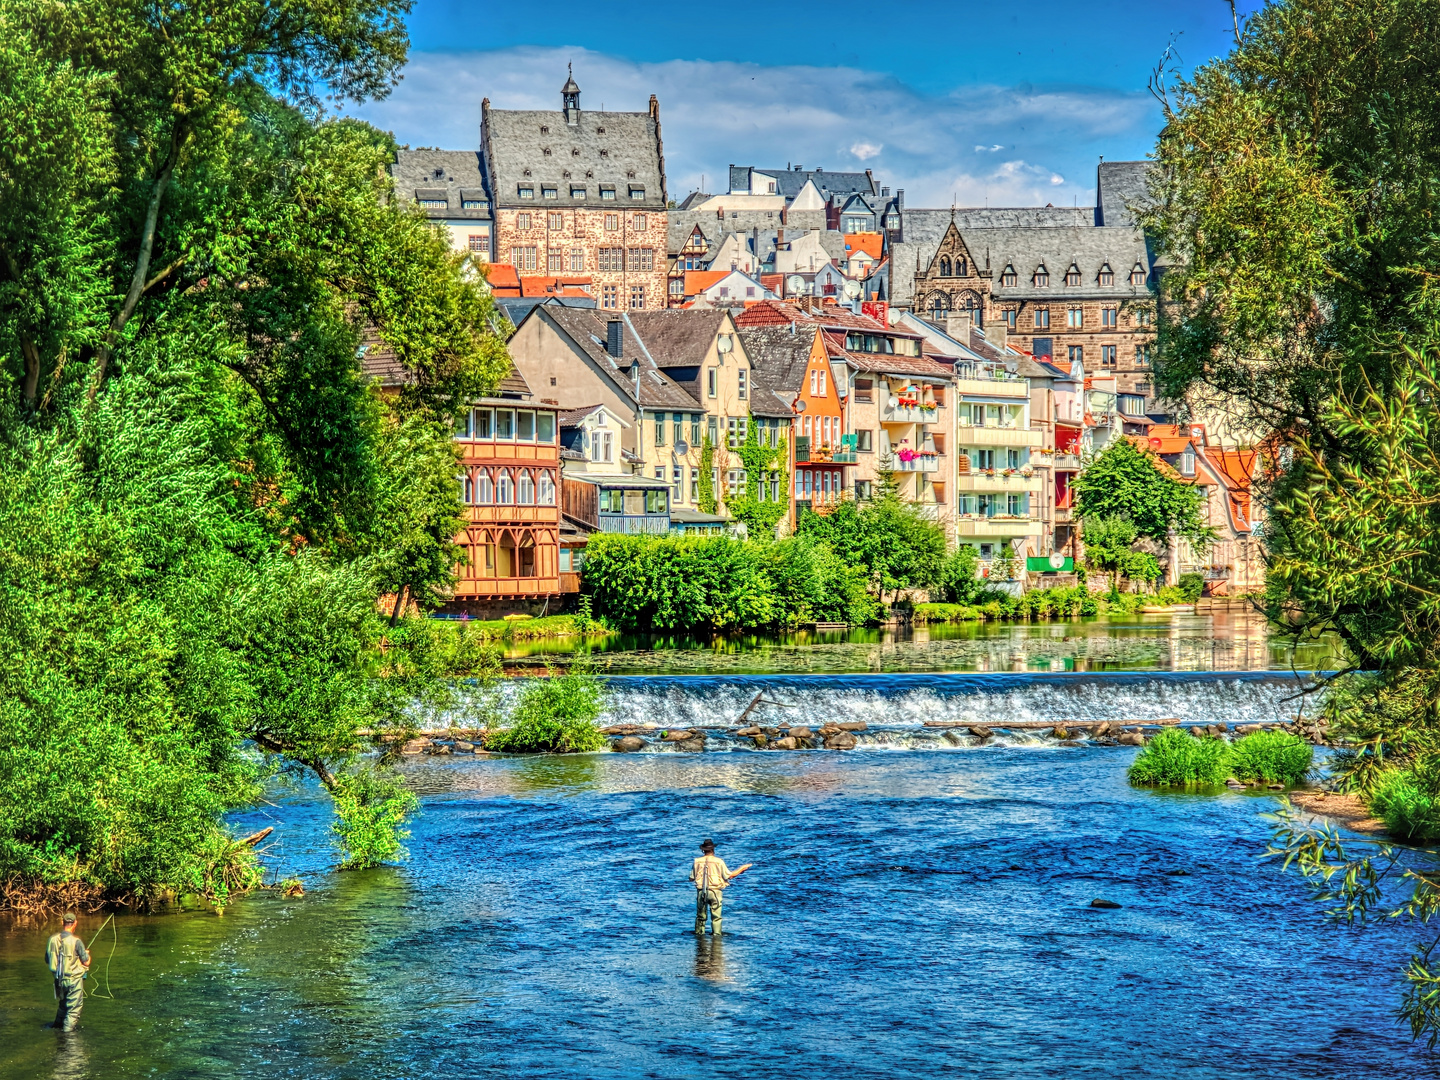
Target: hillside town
974, 359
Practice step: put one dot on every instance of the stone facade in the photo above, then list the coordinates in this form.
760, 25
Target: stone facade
578, 192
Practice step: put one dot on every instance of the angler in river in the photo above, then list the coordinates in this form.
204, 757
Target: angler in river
711, 876
69, 961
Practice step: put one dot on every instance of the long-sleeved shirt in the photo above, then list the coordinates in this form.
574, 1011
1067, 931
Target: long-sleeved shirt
66, 955
710, 872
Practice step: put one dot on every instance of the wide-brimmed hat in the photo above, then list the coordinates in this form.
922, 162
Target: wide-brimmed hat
707, 845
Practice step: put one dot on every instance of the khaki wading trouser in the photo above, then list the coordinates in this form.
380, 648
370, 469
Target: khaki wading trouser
70, 993
708, 900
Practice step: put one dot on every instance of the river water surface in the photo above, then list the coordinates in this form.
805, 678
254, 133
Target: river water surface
917, 909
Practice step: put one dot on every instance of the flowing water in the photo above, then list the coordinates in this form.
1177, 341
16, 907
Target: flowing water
910, 914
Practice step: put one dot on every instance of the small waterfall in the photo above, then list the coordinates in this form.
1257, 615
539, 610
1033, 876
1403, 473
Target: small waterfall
896, 707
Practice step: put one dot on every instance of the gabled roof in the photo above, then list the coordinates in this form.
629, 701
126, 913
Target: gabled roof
575, 417
453, 176
788, 182
503, 280
871, 243
779, 355
697, 281
678, 338
587, 328
573, 286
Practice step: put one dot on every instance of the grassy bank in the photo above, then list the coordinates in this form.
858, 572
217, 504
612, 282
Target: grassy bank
495, 630
1047, 604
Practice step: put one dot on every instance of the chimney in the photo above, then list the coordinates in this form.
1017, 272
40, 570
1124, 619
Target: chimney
957, 325
900, 199
615, 338
998, 335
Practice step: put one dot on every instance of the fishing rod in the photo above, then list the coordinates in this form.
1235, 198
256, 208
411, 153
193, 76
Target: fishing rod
109, 994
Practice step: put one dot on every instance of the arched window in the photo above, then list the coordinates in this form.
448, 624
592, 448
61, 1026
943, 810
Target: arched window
970, 302
962, 268
939, 307
527, 489
484, 488
547, 489
945, 266
504, 488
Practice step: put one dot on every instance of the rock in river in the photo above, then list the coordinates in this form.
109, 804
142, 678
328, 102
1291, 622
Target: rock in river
787, 743
1103, 903
851, 725
683, 735
692, 745
980, 731
750, 731
841, 740
800, 732
1131, 738
628, 745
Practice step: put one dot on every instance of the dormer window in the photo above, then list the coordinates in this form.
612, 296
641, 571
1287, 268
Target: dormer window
599, 131
434, 204
577, 193
1137, 275
637, 192
544, 131
604, 153
630, 174
475, 204
1072, 276
525, 191
549, 193
525, 173
1187, 461
607, 191
1042, 277
1107, 276
1009, 278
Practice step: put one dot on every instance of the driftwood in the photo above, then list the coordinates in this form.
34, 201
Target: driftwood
759, 700
255, 838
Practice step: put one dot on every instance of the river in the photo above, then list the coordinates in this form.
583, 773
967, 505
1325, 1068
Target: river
917, 909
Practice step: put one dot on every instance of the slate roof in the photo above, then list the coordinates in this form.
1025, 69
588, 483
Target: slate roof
379, 363
1089, 249
454, 175
587, 328
600, 148
788, 182
1119, 186
779, 355
678, 338
517, 307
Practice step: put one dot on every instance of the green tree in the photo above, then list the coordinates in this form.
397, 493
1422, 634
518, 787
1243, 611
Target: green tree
1125, 481
1109, 547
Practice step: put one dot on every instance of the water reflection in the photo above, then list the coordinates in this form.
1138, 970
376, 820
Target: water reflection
710, 957
1221, 640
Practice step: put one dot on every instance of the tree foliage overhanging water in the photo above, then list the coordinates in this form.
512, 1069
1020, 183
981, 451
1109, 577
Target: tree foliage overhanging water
200, 497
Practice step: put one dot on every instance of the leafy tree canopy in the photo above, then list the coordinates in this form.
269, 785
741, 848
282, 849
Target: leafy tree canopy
1125, 481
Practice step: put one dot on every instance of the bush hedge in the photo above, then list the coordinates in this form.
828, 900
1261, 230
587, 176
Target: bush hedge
1175, 758
554, 716
1272, 757
1409, 810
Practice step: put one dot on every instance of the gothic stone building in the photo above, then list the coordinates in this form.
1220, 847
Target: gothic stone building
580, 193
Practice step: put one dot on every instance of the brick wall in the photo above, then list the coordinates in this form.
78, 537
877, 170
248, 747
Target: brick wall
563, 232
1092, 336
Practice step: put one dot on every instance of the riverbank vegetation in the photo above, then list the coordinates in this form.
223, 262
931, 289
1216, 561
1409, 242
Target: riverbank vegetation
1176, 757
201, 498
1296, 199
554, 716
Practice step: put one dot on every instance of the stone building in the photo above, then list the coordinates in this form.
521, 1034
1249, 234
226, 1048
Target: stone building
580, 192
449, 186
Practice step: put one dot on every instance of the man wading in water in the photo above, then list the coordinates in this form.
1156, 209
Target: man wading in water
66, 955
711, 875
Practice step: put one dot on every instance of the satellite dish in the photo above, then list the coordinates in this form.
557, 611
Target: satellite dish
723, 344
681, 449
799, 406
852, 289
1057, 560
794, 284
894, 402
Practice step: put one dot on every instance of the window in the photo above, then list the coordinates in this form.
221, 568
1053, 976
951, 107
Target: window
1142, 355
434, 204
525, 426
467, 489
612, 222
679, 428
1107, 356
695, 430
1132, 404
484, 424
657, 502
1142, 317
549, 193
504, 488
611, 260
522, 222
526, 192
545, 427
740, 376
474, 204
637, 193
1109, 317
544, 129
479, 242
1008, 316
737, 430
677, 287
1015, 505
546, 494
577, 193
659, 429
641, 259
1107, 276
484, 488
522, 258
1042, 318
637, 297
939, 307
555, 221
639, 223
504, 424
677, 484
862, 441
817, 383
1009, 278
1042, 277
774, 487
713, 429
525, 489
465, 426
864, 489
555, 262
694, 485
864, 390
610, 296
1075, 318
710, 382
1187, 461
1077, 354
1138, 275
944, 266
1072, 276
607, 191
1012, 459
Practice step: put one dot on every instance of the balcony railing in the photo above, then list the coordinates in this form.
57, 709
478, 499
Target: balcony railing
635, 524
920, 463
802, 447
903, 413
1065, 461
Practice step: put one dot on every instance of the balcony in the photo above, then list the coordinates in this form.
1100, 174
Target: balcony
635, 524
1015, 387
920, 463
906, 411
1065, 462
996, 480
996, 436
999, 526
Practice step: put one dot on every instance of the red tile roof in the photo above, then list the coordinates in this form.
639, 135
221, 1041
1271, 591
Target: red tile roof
871, 243
503, 279
697, 281
555, 286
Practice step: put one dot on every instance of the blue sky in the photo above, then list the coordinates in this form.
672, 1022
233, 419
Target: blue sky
1012, 104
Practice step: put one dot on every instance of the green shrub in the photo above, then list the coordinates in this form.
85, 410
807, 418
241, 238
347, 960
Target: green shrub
1190, 586
958, 582
1409, 810
946, 613
371, 805
1175, 758
554, 716
1167, 595
1275, 757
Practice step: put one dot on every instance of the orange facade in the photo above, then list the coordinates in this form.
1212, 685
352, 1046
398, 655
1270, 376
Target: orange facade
510, 478
819, 427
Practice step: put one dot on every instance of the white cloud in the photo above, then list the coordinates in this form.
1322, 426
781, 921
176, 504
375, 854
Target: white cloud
716, 113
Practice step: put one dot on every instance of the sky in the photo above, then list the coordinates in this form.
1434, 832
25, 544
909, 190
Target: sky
1000, 105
